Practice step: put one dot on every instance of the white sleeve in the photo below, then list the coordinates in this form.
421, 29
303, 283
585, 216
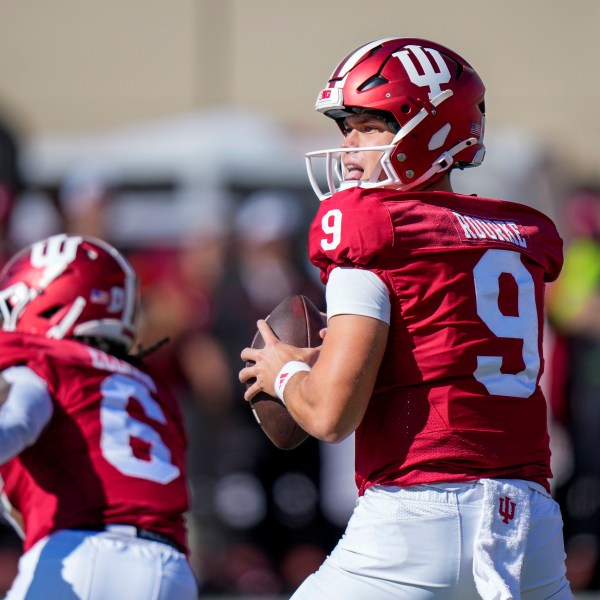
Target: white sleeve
357, 292
25, 412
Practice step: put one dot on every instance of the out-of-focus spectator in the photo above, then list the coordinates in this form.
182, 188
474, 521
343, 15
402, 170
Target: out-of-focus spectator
266, 230
85, 198
12, 181
81, 203
267, 499
574, 310
268, 241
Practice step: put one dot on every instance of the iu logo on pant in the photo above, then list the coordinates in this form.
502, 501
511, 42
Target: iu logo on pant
507, 509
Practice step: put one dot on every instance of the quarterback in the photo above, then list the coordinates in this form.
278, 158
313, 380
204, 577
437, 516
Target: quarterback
92, 448
433, 350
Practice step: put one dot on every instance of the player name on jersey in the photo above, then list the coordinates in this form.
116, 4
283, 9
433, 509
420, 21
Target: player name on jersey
107, 362
476, 228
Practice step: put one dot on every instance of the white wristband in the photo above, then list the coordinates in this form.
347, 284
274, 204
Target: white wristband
286, 373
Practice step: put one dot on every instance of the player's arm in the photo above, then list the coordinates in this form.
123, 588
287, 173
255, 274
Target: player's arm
25, 409
330, 401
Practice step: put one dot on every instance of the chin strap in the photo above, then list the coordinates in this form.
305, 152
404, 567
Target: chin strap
143, 351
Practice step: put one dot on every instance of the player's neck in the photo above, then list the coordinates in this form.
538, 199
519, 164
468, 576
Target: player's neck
443, 184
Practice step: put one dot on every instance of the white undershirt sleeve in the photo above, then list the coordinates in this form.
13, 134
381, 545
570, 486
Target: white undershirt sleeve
357, 292
25, 412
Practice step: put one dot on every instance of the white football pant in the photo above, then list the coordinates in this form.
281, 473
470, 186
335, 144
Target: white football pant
85, 565
418, 543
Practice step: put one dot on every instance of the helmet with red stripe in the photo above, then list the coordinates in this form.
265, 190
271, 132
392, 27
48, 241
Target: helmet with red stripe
432, 99
69, 286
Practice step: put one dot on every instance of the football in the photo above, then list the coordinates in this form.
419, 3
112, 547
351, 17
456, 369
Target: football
295, 321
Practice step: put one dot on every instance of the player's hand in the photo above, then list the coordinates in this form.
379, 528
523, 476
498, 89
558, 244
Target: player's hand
269, 360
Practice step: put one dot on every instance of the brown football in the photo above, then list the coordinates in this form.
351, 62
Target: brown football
295, 321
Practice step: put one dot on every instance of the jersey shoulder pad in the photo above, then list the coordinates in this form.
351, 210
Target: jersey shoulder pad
352, 227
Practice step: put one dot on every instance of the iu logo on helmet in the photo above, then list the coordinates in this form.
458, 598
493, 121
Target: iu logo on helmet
54, 255
425, 67
56, 249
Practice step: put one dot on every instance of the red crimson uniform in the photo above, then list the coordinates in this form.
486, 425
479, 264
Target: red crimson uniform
458, 396
123, 435
433, 350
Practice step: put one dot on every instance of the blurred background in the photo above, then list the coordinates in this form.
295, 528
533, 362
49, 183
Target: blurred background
177, 131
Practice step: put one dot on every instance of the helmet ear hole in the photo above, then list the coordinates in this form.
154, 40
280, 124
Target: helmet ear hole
372, 82
405, 108
50, 312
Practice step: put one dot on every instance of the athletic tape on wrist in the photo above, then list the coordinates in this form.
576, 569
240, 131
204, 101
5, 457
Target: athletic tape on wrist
286, 373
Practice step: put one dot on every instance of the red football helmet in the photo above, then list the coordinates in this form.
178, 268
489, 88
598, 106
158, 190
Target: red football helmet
430, 96
69, 286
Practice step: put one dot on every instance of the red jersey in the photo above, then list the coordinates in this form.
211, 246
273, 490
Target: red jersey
113, 451
457, 396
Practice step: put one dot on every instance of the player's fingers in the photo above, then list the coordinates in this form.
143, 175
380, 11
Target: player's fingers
250, 393
266, 332
246, 374
249, 376
323, 333
252, 390
249, 354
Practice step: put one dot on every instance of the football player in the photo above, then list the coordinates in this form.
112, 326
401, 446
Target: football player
92, 448
433, 352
